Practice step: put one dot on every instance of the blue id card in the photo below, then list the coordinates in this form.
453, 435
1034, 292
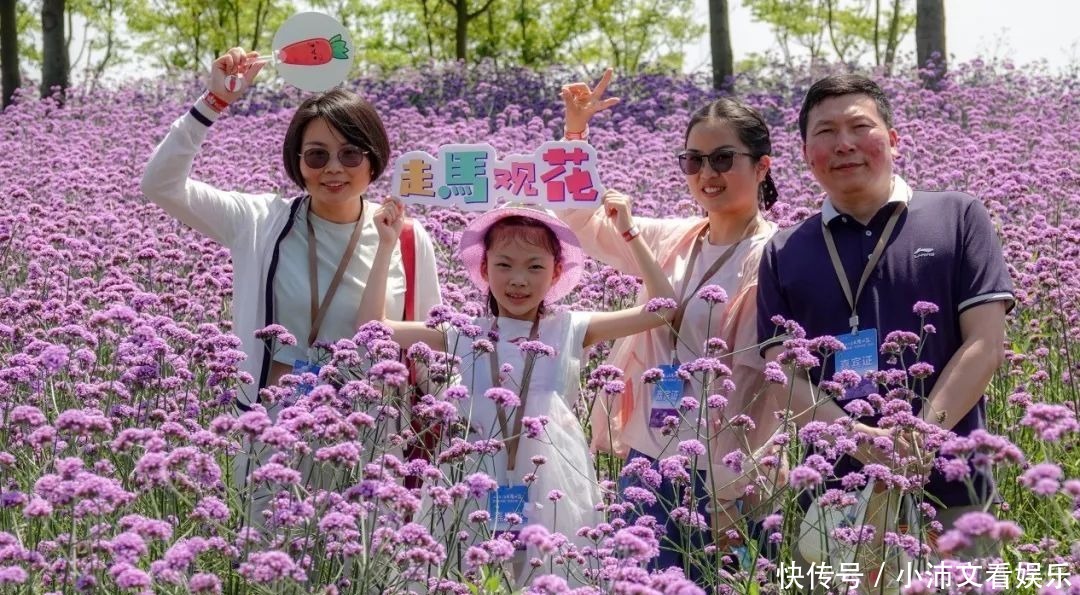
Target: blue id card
860, 355
666, 396
743, 554
508, 500
304, 367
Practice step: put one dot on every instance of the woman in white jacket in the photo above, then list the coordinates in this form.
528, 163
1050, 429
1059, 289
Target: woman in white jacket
335, 147
300, 262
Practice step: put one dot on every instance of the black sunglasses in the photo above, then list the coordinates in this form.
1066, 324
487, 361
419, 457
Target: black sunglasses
720, 160
347, 156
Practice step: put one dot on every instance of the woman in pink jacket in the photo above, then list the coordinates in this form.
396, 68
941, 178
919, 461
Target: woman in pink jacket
723, 432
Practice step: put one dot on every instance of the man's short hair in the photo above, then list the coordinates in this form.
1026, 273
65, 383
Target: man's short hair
836, 85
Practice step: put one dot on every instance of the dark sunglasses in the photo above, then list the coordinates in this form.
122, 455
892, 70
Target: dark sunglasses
720, 160
346, 156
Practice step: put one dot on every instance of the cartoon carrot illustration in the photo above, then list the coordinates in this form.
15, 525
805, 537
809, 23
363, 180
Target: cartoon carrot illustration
314, 52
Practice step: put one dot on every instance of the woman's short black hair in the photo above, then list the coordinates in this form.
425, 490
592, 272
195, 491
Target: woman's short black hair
836, 85
346, 113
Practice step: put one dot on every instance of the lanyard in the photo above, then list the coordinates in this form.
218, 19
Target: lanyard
875, 256
684, 300
511, 439
319, 310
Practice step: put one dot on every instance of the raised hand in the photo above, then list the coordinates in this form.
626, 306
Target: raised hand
388, 219
235, 62
617, 207
582, 102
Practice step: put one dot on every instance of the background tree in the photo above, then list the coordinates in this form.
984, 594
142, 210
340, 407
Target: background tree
9, 50
190, 34
854, 27
530, 33
390, 34
54, 52
723, 61
462, 17
534, 33
793, 22
630, 33
930, 38
105, 40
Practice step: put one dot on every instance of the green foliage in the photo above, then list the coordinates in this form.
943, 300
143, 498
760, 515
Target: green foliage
104, 42
624, 34
528, 33
801, 22
99, 24
28, 19
186, 35
851, 29
189, 34
629, 33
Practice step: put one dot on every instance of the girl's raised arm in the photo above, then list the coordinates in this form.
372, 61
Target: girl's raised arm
605, 326
388, 221
582, 103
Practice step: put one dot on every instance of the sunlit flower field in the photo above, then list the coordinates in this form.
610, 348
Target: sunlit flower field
118, 372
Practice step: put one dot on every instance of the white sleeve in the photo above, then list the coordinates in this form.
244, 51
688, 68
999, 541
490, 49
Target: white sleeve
579, 326
427, 292
214, 213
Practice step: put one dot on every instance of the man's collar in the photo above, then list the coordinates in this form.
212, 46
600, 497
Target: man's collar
901, 192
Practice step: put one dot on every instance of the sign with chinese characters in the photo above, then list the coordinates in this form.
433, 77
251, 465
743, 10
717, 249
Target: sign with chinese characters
471, 177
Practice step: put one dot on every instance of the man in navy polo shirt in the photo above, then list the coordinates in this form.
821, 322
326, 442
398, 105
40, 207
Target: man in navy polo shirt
910, 246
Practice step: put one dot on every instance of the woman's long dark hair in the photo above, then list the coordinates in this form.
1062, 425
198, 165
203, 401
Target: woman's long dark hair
752, 131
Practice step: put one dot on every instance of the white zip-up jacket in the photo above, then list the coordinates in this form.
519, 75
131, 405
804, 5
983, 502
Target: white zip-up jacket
252, 227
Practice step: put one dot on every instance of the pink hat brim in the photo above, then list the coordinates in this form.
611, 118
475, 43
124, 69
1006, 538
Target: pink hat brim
471, 249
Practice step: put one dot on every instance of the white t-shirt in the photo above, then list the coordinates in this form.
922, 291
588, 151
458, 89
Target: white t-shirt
553, 391
292, 293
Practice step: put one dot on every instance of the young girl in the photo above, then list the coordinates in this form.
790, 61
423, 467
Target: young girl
525, 259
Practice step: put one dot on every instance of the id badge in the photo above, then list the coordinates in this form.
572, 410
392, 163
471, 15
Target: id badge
666, 396
860, 355
742, 553
508, 500
304, 367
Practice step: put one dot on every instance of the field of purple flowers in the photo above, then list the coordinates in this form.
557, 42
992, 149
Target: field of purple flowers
118, 372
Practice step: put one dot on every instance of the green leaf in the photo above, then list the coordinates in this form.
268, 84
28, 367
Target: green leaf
339, 48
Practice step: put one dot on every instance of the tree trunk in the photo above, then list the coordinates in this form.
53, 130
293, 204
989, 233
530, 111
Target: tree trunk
930, 39
461, 28
723, 62
260, 18
110, 33
427, 30
894, 38
54, 56
526, 56
877, 32
9, 50
830, 20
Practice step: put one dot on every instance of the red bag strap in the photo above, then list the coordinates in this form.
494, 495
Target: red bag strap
408, 259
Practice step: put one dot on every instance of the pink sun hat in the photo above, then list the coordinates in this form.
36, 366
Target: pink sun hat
472, 250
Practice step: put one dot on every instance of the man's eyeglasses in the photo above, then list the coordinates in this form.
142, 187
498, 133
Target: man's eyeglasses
347, 156
720, 160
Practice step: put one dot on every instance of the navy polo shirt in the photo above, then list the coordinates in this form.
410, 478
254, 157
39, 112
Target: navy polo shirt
944, 250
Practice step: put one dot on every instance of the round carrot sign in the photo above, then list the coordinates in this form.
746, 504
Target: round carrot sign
312, 51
